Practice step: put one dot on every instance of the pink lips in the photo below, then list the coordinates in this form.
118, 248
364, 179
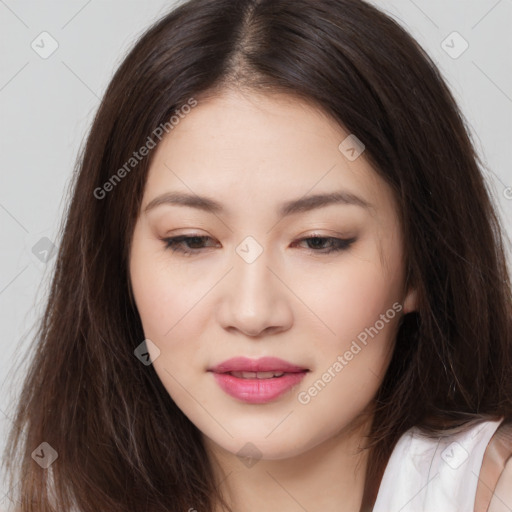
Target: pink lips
257, 390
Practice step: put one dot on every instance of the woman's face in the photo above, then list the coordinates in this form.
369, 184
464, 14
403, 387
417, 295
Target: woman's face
254, 284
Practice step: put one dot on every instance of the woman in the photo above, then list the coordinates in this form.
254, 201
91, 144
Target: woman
281, 281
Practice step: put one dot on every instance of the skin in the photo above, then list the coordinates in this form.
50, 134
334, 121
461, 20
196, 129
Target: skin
251, 152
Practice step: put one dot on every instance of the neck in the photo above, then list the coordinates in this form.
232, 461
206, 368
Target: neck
329, 476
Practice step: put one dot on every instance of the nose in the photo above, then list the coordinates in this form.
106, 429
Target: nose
254, 300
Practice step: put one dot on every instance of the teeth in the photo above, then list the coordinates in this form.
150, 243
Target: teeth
256, 375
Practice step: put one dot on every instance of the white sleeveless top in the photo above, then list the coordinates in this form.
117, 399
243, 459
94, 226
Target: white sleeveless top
434, 475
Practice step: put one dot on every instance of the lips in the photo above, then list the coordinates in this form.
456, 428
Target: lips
257, 375
257, 381
264, 364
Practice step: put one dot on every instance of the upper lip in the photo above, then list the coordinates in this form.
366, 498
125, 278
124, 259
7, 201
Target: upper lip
264, 364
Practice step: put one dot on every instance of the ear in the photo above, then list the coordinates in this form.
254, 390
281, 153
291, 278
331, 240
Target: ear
411, 301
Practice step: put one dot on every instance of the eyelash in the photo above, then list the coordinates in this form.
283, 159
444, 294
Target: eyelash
173, 244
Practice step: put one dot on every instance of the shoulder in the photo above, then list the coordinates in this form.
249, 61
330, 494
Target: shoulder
494, 492
435, 473
502, 495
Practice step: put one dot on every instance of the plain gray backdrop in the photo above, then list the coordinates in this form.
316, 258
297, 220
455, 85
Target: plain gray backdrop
57, 58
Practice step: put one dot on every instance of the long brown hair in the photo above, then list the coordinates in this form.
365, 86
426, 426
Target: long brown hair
122, 444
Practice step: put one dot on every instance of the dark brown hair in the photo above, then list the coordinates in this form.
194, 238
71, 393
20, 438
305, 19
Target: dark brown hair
122, 444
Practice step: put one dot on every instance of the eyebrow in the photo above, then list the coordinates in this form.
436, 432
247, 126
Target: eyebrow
303, 204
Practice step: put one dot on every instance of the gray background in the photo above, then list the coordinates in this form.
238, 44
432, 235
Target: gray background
47, 105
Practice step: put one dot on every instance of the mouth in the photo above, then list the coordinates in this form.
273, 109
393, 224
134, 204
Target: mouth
264, 365
257, 381
256, 375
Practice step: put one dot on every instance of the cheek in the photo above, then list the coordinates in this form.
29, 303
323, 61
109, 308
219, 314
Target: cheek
165, 302
349, 369
353, 296
360, 305
172, 307
154, 300
164, 294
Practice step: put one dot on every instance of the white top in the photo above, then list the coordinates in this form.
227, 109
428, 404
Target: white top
434, 475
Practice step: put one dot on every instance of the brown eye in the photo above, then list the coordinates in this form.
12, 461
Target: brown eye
318, 244
186, 244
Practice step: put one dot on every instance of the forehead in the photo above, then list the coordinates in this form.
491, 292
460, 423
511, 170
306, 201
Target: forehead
260, 149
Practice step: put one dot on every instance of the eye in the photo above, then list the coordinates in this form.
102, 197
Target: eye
176, 244
335, 244
190, 244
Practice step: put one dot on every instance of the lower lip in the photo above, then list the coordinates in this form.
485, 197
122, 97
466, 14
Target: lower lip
257, 391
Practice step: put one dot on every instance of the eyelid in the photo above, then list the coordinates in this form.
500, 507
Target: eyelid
338, 243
